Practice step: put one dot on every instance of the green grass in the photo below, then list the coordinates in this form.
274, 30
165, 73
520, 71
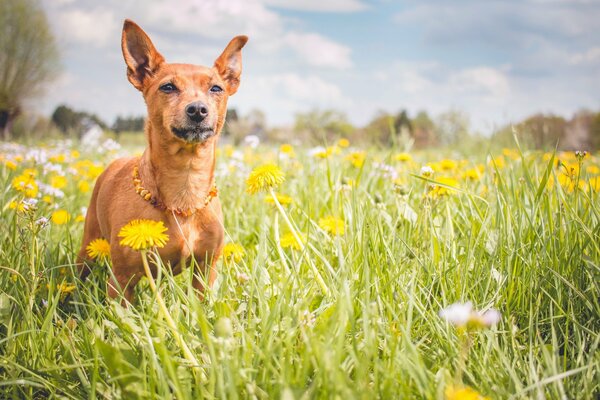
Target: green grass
522, 239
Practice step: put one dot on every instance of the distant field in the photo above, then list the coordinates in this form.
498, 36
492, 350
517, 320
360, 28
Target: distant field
387, 240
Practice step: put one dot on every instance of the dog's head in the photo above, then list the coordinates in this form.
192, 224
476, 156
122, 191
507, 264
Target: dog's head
186, 101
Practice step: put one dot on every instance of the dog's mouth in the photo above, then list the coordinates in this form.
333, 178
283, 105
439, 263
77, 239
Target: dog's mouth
195, 134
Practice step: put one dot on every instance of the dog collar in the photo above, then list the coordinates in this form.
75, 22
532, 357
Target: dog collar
158, 203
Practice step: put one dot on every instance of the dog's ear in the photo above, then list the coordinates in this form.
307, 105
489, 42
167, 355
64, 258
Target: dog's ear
140, 55
229, 63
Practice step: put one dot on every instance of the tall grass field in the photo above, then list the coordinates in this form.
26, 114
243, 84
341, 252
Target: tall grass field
364, 274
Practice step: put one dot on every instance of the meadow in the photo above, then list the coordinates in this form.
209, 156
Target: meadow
332, 284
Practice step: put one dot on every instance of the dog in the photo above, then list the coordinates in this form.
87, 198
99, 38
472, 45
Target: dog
173, 180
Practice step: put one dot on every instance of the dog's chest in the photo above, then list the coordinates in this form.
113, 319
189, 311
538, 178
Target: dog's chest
192, 239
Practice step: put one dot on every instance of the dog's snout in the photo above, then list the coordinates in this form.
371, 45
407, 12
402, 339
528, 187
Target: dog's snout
196, 111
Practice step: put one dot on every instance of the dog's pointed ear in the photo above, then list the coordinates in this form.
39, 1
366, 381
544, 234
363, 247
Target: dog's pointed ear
229, 63
140, 55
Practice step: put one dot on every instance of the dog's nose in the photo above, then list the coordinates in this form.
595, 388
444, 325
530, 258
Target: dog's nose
197, 111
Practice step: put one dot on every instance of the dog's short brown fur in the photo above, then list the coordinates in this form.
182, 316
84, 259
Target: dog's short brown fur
186, 111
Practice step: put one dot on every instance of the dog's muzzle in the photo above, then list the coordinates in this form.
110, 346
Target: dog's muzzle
194, 134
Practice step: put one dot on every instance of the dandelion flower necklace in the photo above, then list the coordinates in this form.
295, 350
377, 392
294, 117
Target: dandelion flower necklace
158, 203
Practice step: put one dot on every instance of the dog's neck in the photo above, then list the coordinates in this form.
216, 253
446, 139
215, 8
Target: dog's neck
180, 174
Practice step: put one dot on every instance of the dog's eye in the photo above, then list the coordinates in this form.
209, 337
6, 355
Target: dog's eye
216, 89
168, 88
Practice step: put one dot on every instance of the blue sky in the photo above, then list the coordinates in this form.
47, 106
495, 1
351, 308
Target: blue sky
497, 61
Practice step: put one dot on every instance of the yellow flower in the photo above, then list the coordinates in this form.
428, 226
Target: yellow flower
281, 198
403, 157
357, 158
142, 234
19, 206
47, 199
332, 225
233, 252
472, 174
63, 288
287, 149
439, 190
592, 169
83, 186
343, 142
289, 240
60, 158
60, 217
448, 165
75, 154
98, 249
510, 153
264, 177
10, 165
26, 184
80, 218
595, 183
58, 182
497, 162
463, 393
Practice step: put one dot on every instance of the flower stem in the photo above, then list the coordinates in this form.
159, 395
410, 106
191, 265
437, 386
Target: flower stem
318, 276
161, 304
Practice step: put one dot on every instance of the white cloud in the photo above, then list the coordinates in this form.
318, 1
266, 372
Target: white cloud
93, 27
285, 94
343, 6
591, 56
480, 81
319, 51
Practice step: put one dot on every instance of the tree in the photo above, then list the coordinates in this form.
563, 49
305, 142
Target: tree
128, 124
319, 125
452, 127
423, 130
28, 57
70, 121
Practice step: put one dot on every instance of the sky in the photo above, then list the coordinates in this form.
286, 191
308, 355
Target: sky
496, 61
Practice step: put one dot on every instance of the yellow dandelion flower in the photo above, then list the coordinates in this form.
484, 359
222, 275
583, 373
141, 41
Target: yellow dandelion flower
31, 172
448, 165
289, 241
83, 186
403, 157
142, 234
26, 184
95, 171
595, 183
510, 153
19, 206
80, 218
332, 225
264, 177
343, 142
75, 154
10, 165
287, 149
497, 162
60, 217
281, 198
63, 288
439, 190
463, 393
59, 158
58, 181
47, 199
357, 158
98, 249
592, 169
233, 253
472, 174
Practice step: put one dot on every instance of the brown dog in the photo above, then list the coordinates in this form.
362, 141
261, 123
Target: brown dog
173, 181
